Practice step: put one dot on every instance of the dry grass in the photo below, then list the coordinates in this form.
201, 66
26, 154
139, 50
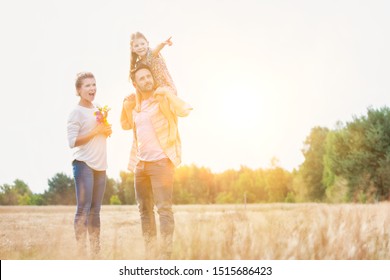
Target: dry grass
217, 232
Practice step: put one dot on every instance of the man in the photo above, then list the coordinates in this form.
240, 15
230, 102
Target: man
152, 114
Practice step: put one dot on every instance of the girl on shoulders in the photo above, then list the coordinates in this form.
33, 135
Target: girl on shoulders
141, 52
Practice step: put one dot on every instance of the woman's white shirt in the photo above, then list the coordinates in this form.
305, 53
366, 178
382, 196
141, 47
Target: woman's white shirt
94, 153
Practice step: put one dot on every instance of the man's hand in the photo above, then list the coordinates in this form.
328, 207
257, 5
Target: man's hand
128, 106
129, 102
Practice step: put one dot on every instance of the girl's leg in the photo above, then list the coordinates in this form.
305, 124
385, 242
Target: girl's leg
172, 122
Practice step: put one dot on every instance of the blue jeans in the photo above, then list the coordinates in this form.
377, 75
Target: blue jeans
90, 186
154, 186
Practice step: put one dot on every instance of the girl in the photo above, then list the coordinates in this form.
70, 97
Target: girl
87, 134
142, 53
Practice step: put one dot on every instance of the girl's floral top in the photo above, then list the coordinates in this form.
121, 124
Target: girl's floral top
160, 70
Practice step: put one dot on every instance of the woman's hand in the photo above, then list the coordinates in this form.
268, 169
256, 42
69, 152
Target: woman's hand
107, 130
102, 129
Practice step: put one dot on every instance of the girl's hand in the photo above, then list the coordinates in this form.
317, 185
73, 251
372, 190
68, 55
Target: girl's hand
160, 46
168, 41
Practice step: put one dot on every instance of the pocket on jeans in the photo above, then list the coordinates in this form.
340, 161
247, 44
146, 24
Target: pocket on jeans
75, 161
139, 165
164, 162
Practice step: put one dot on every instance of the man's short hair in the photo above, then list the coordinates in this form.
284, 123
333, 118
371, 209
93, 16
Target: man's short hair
137, 68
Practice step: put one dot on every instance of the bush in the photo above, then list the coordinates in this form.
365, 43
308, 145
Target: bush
114, 200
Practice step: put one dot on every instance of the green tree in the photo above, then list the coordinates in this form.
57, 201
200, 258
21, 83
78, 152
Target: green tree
61, 190
224, 186
16, 194
225, 198
114, 200
182, 186
312, 169
126, 191
38, 199
250, 184
111, 190
360, 154
279, 183
8, 195
193, 185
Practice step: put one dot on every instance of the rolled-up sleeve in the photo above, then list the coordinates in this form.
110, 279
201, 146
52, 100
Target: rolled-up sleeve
184, 110
125, 122
179, 107
73, 128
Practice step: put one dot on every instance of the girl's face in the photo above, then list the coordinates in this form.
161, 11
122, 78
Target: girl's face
87, 90
140, 47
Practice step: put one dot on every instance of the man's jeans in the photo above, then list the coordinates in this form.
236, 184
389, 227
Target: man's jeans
90, 186
154, 186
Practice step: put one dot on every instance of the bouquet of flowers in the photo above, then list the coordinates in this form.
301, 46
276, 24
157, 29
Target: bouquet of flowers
101, 114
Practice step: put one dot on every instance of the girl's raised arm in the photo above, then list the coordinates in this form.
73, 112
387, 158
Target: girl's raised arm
160, 46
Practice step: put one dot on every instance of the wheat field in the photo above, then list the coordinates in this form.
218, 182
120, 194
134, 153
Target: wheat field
209, 232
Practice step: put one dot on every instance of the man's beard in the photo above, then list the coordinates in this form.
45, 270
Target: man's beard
147, 87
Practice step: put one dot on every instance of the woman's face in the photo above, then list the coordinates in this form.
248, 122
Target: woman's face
140, 47
87, 90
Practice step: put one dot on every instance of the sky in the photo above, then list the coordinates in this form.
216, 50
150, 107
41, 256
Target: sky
259, 75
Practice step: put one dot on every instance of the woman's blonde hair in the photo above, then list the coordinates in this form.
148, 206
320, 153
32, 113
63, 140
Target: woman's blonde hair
80, 77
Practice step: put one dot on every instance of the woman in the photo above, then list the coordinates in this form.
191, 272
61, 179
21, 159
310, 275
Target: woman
87, 134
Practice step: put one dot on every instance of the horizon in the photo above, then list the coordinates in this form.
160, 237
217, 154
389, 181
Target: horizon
262, 76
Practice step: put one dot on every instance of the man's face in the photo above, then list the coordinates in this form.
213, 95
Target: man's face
144, 80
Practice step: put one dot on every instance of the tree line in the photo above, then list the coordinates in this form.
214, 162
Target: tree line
350, 163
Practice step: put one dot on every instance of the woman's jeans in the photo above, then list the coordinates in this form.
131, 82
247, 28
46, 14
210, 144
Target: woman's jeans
154, 186
90, 186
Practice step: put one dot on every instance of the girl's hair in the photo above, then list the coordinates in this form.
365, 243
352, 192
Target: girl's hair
134, 57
